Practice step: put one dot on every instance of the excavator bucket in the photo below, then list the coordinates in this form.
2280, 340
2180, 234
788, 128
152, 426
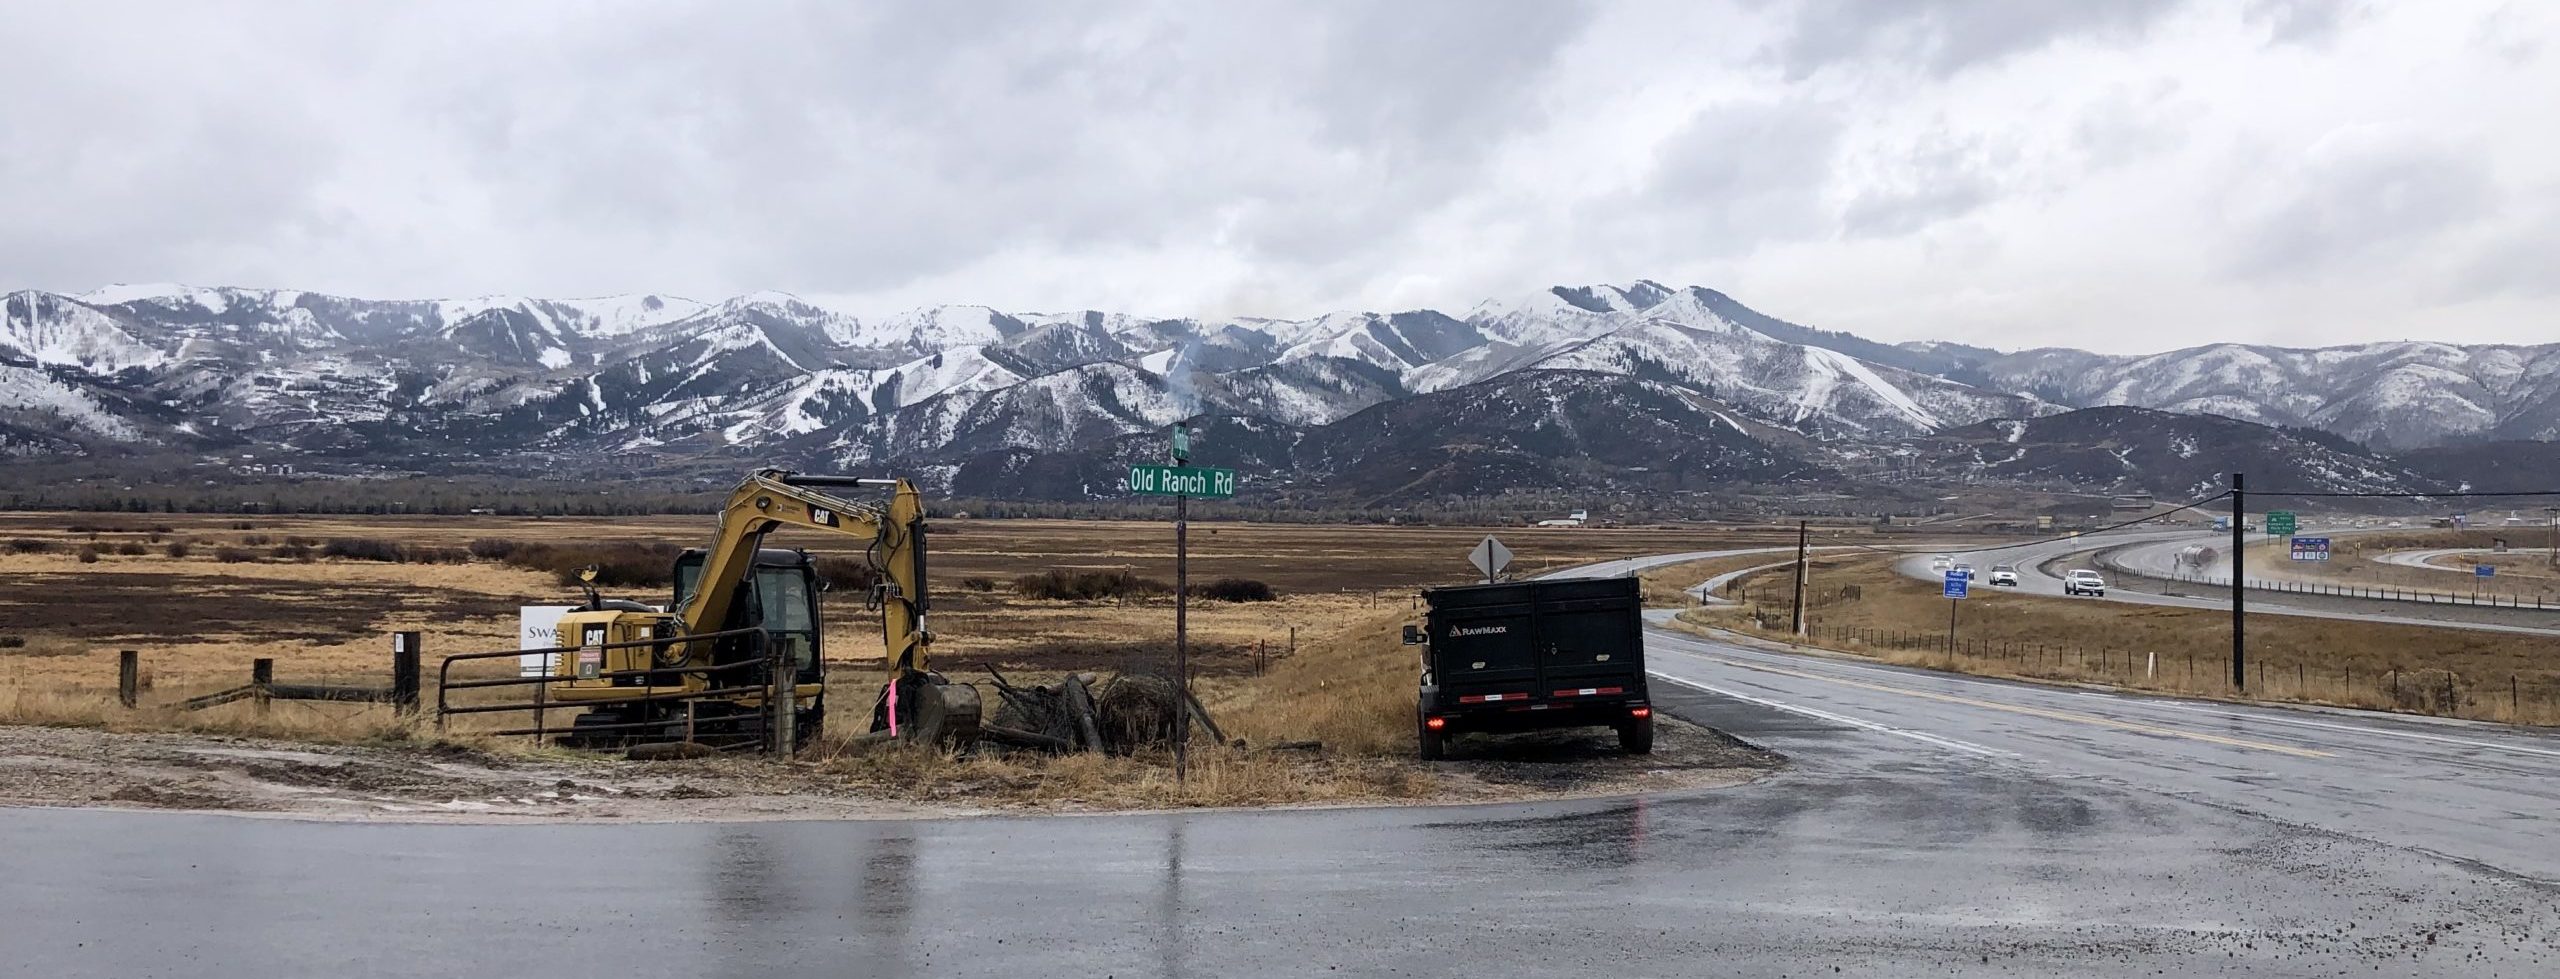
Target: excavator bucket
925, 708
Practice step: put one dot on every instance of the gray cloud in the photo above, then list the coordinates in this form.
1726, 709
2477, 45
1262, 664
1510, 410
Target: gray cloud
109, 169
1905, 168
2360, 200
1945, 177
1946, 36
2302, 21
1737, 174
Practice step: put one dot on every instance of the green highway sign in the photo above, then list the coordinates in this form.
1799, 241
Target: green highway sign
1182, 481
2280, 523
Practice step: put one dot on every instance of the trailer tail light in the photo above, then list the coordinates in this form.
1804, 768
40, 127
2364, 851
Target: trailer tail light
1435, 723
1642, 712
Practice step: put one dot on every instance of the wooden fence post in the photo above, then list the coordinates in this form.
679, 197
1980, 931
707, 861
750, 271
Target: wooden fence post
128, 677
404, 673
262, 675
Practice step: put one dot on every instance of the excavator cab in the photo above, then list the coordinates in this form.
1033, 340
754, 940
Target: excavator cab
781, 595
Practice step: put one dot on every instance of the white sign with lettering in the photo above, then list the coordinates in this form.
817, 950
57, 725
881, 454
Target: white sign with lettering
538, 627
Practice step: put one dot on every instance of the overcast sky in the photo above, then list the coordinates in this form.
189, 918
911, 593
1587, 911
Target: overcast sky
2128, 175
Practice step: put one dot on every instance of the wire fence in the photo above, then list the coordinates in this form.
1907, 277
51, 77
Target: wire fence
2484, 598
2531, 697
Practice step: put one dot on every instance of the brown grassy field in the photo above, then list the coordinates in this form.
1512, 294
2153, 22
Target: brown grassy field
2524, 574
198, 621
1859, 605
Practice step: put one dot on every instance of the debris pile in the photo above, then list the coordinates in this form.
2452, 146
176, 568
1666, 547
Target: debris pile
1081, 712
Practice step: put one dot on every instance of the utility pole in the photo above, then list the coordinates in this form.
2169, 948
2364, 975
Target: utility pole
2555, 534
1798, 626
1182, 611
2239, 628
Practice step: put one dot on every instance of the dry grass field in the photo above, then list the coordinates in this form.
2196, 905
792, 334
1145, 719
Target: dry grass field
1858, 605
2525, 574
198, 619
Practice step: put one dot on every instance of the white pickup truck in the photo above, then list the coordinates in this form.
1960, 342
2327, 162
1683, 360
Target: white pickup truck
2084, 582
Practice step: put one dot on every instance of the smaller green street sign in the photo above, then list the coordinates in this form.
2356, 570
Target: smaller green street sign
2280, 523
1182, 481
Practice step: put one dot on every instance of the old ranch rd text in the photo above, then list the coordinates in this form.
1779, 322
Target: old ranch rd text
1182, 481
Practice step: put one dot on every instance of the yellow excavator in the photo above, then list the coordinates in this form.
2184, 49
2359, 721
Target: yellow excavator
703, 669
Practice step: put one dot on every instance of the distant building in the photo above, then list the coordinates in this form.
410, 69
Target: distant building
1575, 519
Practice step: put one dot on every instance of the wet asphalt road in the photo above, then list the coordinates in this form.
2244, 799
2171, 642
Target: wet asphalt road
2041, 565
1929, 826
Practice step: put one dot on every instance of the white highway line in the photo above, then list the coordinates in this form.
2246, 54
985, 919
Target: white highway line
2138, 700
1947, 743
2356, 729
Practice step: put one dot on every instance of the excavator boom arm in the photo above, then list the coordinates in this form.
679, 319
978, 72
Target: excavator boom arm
773, 498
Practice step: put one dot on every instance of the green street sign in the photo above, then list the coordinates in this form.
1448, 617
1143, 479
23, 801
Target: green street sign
1182, 481
2280, 523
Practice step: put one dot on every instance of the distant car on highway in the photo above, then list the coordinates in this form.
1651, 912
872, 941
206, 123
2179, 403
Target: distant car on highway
2004, 575
1940, 562
1964, 571
2084, 582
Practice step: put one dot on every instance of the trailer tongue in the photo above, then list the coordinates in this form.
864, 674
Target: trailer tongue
1532, 655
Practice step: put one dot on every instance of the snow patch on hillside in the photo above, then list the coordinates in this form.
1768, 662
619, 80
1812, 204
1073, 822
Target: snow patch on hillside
27, 389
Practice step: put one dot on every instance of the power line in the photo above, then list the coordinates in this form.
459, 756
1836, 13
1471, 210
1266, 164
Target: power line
2448, 495
2049, 540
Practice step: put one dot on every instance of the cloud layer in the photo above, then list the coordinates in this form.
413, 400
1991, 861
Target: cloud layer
2127, 175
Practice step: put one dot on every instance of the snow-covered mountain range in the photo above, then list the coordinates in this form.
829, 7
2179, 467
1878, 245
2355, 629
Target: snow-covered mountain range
1693, 375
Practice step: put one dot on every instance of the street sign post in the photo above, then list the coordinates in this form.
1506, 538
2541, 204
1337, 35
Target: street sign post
1958, 583
2281, 523
1201, 481
2310, 548
1490, 558
2480, 573
1182, 481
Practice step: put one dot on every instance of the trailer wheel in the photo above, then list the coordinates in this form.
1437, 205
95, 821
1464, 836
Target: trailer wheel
1635, 736
1435, 744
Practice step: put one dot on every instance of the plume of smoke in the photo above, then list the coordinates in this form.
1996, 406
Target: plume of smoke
1177, 378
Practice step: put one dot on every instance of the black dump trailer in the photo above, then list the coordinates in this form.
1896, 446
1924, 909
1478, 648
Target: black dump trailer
1531, 655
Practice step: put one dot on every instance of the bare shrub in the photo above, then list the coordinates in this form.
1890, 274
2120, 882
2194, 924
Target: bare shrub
362, 549
618, 564
1073, 585
847, 574
1235, 590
